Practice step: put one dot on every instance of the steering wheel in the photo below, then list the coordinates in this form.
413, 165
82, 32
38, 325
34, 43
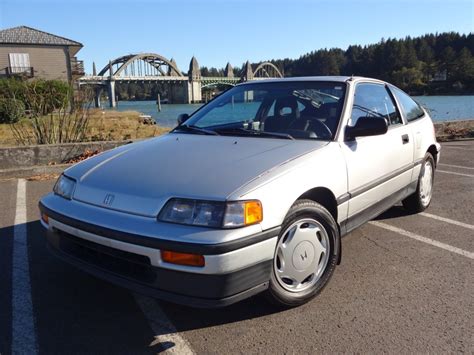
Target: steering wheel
314, 125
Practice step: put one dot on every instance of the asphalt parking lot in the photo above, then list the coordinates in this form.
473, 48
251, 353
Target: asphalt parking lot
406, 284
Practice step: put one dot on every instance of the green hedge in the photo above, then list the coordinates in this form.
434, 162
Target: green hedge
41, 96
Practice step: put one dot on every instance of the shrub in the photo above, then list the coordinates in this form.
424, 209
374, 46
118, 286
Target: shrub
43, 96
11, 110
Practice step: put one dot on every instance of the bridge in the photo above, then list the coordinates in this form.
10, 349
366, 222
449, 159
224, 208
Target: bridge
179, 87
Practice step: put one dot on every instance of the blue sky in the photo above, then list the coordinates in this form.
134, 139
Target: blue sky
231, 30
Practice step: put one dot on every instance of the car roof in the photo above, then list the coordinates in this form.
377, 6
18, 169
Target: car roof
341, 79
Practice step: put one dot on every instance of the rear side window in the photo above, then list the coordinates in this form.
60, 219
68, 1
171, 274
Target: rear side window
411, 109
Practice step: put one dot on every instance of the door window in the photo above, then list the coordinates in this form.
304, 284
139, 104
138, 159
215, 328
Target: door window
373, 100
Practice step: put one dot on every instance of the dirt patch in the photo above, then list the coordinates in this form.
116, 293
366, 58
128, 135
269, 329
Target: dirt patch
43, 177
452, 130
87, 154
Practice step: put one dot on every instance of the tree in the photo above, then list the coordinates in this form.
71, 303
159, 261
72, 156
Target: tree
463, 68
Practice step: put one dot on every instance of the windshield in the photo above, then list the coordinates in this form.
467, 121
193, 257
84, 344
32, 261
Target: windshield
285, 110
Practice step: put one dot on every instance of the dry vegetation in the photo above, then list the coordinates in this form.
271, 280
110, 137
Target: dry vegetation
102, 126
454, 130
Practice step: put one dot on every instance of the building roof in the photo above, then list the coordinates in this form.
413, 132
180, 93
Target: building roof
28, 35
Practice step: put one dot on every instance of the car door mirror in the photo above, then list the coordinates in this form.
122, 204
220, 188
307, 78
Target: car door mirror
182, 118
367, 126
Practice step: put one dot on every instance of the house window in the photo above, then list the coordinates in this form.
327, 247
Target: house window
19, 62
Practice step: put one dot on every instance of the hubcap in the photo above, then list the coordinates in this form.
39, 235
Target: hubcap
426, 183
301, 255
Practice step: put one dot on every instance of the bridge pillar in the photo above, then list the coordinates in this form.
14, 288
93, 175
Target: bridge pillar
112, 102
247, 75
97, 97
229, 71
178, 92
194, 91
194, 84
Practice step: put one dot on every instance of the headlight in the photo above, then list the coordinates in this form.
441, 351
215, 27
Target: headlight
64, 187
212, 213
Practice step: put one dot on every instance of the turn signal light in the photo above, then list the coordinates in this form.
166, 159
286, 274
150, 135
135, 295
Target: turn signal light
173, 257
45, 218
253, 212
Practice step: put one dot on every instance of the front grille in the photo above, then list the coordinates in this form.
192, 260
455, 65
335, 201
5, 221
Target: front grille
123, 263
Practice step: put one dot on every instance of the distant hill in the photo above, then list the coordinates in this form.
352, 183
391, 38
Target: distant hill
433, 64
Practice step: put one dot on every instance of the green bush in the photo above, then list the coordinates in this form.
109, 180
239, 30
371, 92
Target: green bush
54, 94
40, 96
11, 110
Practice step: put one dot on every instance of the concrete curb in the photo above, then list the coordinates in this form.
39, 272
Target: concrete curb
44, 155
32, 171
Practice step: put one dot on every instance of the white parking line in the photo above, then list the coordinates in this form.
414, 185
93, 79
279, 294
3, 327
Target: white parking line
165, 331
420, 238
453, 173
457, 166
23, 322
447, 220
458, 147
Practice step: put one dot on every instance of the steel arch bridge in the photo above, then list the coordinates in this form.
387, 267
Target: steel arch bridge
141, 65
153, 67
267, 70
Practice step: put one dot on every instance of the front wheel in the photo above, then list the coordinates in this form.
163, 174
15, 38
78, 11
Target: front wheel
421, 198
306, 254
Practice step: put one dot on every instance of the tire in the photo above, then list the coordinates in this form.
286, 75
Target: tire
421, 198
306, 254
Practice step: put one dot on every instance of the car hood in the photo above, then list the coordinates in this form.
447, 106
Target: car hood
139, 178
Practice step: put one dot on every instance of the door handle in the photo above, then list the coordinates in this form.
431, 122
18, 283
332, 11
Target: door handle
405, 138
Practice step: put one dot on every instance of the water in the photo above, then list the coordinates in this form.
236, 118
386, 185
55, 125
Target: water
168, 115
442, 108
448, 108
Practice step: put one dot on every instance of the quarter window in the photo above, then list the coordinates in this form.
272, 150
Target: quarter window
409, 107
373, 100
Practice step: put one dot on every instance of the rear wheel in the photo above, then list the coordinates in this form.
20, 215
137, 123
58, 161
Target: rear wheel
421, 198
306, 254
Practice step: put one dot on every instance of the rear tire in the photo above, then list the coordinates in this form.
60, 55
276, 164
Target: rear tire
421, 198
306, 254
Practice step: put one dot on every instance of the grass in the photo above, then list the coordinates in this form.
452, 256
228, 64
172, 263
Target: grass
103, 126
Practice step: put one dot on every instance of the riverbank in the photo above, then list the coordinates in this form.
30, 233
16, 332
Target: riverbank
103, 126
452, 130
112, 125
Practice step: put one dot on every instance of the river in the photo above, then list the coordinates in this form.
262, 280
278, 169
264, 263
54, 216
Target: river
442, 108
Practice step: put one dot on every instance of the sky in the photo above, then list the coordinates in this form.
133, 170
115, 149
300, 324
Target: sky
221, 31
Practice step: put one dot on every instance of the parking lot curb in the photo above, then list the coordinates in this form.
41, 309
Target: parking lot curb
32, 171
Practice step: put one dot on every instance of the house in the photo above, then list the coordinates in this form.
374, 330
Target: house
31, 53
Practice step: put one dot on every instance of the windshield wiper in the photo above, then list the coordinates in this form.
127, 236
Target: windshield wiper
254, 132
192, 128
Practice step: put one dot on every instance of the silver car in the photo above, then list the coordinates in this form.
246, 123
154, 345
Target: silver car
251, 193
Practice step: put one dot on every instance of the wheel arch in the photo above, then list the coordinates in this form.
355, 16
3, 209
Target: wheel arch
434, 152
324, 197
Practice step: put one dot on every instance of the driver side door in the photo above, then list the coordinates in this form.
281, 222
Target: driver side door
379, 167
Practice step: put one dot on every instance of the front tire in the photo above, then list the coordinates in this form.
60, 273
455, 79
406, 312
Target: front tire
421, 198
306, 254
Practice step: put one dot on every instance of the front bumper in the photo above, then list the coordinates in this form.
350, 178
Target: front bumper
238, 272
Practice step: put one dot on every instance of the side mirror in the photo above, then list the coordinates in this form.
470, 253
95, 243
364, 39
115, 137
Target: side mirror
367, 126
182, 118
